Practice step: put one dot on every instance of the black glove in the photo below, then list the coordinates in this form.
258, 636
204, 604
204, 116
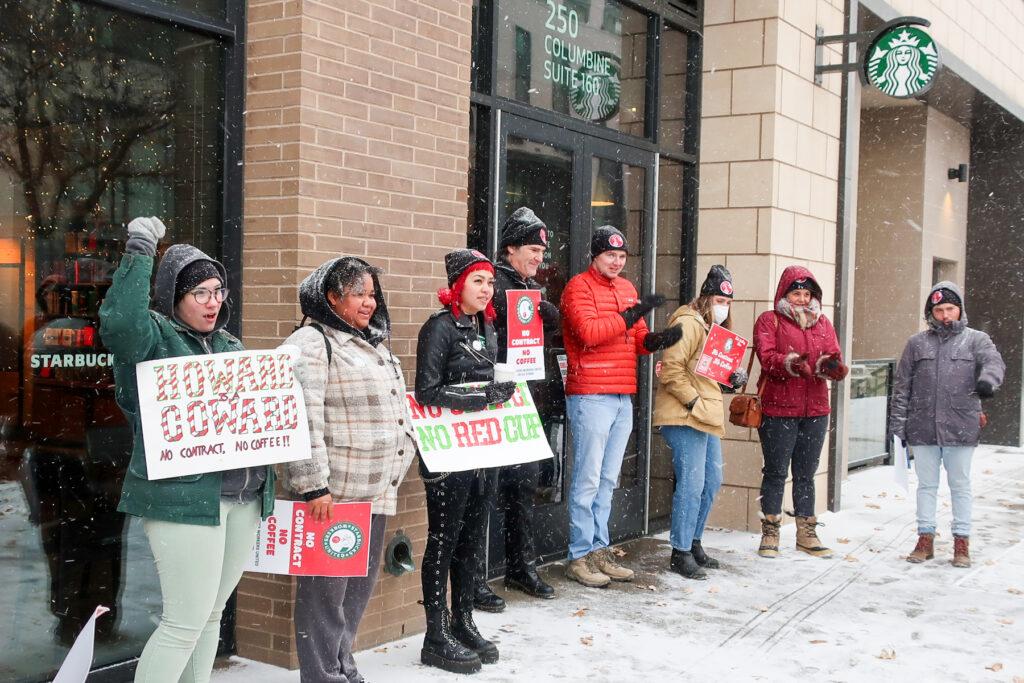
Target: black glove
499, 392
985, 389
656, 341
549, 313
639, 310
738, 378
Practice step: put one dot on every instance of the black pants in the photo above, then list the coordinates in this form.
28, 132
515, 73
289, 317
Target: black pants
517, 490
786, 442
456, 526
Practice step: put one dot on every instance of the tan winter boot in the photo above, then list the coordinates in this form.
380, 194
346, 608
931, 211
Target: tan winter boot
807, 537
961, 552
580, 570
924, 550
603, 560
769, 535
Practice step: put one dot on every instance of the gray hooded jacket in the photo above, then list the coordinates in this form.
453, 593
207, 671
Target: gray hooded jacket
241, 484
934, 402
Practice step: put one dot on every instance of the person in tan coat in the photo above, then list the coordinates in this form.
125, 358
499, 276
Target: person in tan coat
689, 412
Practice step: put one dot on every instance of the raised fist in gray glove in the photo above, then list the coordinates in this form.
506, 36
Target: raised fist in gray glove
639, 310
499, 392
738, 378
143, 234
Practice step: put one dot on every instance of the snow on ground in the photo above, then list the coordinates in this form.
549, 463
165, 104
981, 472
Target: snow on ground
864, 615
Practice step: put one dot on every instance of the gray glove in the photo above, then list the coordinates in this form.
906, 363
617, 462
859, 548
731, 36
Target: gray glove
738, 378
143, 235
499, 392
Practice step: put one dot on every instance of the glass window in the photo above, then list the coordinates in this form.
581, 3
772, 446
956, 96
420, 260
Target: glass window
104, 116
672, 90
564, 56
210, 8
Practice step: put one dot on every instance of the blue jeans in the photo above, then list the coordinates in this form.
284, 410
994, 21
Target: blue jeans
600, 425
697, 460
957, 461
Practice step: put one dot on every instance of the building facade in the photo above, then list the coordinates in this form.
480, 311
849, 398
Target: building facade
275, 134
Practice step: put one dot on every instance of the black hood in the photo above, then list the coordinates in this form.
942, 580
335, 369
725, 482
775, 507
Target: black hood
314, 303
174, 260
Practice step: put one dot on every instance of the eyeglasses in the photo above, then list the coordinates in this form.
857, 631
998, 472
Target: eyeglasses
202, 295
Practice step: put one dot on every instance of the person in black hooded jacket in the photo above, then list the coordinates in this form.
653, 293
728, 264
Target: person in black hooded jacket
457, 345
524, 239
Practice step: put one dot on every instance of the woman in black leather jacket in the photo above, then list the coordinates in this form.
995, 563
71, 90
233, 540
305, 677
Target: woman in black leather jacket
457, 345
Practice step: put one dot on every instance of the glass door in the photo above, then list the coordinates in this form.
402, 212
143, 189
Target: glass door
575, 183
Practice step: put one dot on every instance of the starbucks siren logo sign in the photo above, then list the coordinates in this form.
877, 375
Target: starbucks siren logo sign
343, 540
596, 89
902, 61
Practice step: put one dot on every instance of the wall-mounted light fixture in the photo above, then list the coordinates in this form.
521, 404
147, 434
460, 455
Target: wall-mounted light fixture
958, 173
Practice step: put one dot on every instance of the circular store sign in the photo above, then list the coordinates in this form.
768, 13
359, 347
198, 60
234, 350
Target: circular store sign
343, 540
596, 88
902, 61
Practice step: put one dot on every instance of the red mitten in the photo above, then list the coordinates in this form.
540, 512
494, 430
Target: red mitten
831, 367
797, 365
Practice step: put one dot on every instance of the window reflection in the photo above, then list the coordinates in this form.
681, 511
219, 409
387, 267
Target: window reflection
585, 59
103, 116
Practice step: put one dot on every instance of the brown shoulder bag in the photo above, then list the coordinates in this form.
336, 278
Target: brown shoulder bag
745, 409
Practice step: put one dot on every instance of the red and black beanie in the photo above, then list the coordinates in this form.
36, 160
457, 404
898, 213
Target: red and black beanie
456, 262
718, 282
607, 238
942, 295
521, 228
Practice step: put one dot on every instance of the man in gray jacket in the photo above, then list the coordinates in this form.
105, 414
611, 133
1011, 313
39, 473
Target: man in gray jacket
942, 377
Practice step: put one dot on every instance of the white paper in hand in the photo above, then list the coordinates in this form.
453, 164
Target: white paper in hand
76, 665
901, 465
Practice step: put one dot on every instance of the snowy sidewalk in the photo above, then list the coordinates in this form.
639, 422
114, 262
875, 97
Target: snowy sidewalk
864, 615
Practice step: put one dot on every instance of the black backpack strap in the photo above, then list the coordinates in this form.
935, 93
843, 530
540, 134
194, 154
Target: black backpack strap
327, 342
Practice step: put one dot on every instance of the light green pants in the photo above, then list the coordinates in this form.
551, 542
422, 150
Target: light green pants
199, 567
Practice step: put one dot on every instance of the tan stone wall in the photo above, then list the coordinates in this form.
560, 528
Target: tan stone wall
357, 126
988, 35
769, 167
910, 214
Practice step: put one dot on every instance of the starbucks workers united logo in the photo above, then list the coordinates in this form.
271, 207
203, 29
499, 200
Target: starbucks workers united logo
343, 540
902, 61
525, 310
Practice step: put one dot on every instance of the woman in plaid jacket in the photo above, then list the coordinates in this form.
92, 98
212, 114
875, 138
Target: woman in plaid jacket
362, 446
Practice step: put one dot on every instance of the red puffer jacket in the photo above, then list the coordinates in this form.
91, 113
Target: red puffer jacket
775, 337
602, 352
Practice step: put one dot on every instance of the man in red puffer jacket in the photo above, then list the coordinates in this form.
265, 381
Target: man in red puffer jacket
604, 330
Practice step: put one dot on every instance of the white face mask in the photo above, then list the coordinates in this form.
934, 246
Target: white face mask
721, 312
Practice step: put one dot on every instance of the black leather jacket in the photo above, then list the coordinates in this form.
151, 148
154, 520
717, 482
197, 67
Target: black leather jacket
446, 356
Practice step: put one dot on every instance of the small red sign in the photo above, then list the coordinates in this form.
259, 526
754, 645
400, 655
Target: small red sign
722, 354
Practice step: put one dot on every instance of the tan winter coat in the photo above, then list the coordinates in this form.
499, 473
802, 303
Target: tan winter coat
678, 384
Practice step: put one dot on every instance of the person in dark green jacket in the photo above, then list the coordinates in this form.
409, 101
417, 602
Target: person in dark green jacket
201, 527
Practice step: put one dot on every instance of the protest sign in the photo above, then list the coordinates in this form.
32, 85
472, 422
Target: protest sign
78, 661
291, 542
525, 342
722, 354
503, 434
221, 411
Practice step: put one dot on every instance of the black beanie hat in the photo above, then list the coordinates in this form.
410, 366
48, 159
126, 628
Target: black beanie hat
193, 275
607, 238
942, 296
522, 228
455, 262
717, 283
805, 283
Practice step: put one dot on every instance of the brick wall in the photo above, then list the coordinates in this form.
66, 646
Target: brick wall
769, 169
356, 143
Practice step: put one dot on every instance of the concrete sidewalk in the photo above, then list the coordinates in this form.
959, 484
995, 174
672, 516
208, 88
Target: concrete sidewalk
866, 614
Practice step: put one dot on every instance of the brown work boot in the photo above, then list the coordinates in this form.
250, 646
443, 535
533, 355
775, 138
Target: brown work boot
769, 535
603, 560
961, 552
807, 537
581, 570
924, 550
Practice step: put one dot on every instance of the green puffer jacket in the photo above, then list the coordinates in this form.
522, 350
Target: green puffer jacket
134, 333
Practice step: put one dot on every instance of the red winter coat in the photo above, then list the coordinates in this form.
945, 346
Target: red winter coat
775, 337
602, 352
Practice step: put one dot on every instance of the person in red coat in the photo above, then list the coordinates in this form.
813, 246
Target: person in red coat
798, 351
604, 331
